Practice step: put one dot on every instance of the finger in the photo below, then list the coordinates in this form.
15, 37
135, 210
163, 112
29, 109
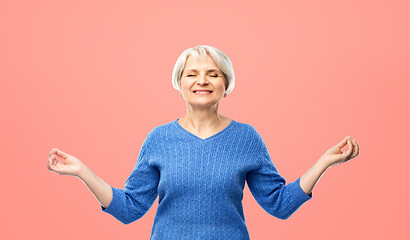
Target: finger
343, 142
52, 152
352, 150
54, 160
349, 149
352, 147
51, 163
356, 148
357, 145
61, 153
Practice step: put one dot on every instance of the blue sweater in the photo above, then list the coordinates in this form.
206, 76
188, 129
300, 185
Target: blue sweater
200, 183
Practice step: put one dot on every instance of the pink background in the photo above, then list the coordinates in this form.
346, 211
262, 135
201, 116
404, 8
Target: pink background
92, 78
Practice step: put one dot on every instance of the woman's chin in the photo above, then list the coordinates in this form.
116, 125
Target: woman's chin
202, 104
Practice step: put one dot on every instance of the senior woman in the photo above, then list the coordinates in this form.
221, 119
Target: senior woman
198, 164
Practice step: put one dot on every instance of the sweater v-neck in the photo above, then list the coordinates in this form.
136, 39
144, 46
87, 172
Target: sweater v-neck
195, 137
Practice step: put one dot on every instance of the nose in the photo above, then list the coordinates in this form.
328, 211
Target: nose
202, 80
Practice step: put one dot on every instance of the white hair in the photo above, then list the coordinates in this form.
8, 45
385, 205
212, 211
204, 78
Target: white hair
222, 61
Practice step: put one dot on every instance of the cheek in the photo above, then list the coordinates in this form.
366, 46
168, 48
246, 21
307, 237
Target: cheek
185, 87
222, 85
182, 84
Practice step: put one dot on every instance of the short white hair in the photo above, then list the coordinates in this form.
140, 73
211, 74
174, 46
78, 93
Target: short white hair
222, 61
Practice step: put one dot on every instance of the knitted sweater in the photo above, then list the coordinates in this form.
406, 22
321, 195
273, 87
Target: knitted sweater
200, 183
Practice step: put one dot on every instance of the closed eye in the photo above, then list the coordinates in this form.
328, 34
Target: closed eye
190, 75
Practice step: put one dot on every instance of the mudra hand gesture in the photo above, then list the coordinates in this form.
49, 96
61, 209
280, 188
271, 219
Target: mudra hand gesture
69, 166
335, 156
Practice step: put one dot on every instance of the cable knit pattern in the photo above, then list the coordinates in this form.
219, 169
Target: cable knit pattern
200, 183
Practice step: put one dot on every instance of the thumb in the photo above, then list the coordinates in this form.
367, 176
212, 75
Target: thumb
62, 154
342, 143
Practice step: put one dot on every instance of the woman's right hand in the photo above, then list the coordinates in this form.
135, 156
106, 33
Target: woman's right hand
70, 165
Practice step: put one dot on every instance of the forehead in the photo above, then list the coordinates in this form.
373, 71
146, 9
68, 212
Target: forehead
200, 62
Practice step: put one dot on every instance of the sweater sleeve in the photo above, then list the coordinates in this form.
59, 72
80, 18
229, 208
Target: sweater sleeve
270, 190
136, 198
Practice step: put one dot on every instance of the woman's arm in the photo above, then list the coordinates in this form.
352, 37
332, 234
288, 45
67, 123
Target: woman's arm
332, 157
71, 165
126, 204
101, 190
312, 176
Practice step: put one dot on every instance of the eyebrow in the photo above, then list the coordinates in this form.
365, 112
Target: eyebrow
210, 70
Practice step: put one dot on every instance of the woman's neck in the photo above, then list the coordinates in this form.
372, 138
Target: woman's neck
203, 120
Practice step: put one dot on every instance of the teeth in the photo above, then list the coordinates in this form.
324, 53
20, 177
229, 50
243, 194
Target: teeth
202, 91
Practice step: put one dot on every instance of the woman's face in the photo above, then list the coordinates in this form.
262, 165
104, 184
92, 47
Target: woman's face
202, 73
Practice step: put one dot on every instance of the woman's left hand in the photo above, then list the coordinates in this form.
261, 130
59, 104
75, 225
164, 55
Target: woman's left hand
335, 156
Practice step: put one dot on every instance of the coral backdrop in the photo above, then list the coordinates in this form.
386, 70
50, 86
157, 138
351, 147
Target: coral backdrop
92, 78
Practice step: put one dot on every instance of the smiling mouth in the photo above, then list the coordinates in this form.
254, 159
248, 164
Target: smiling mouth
202, 93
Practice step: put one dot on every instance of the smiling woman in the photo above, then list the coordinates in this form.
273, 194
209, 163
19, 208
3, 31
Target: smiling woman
203, 75
197, 165
201, 79
222, 63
